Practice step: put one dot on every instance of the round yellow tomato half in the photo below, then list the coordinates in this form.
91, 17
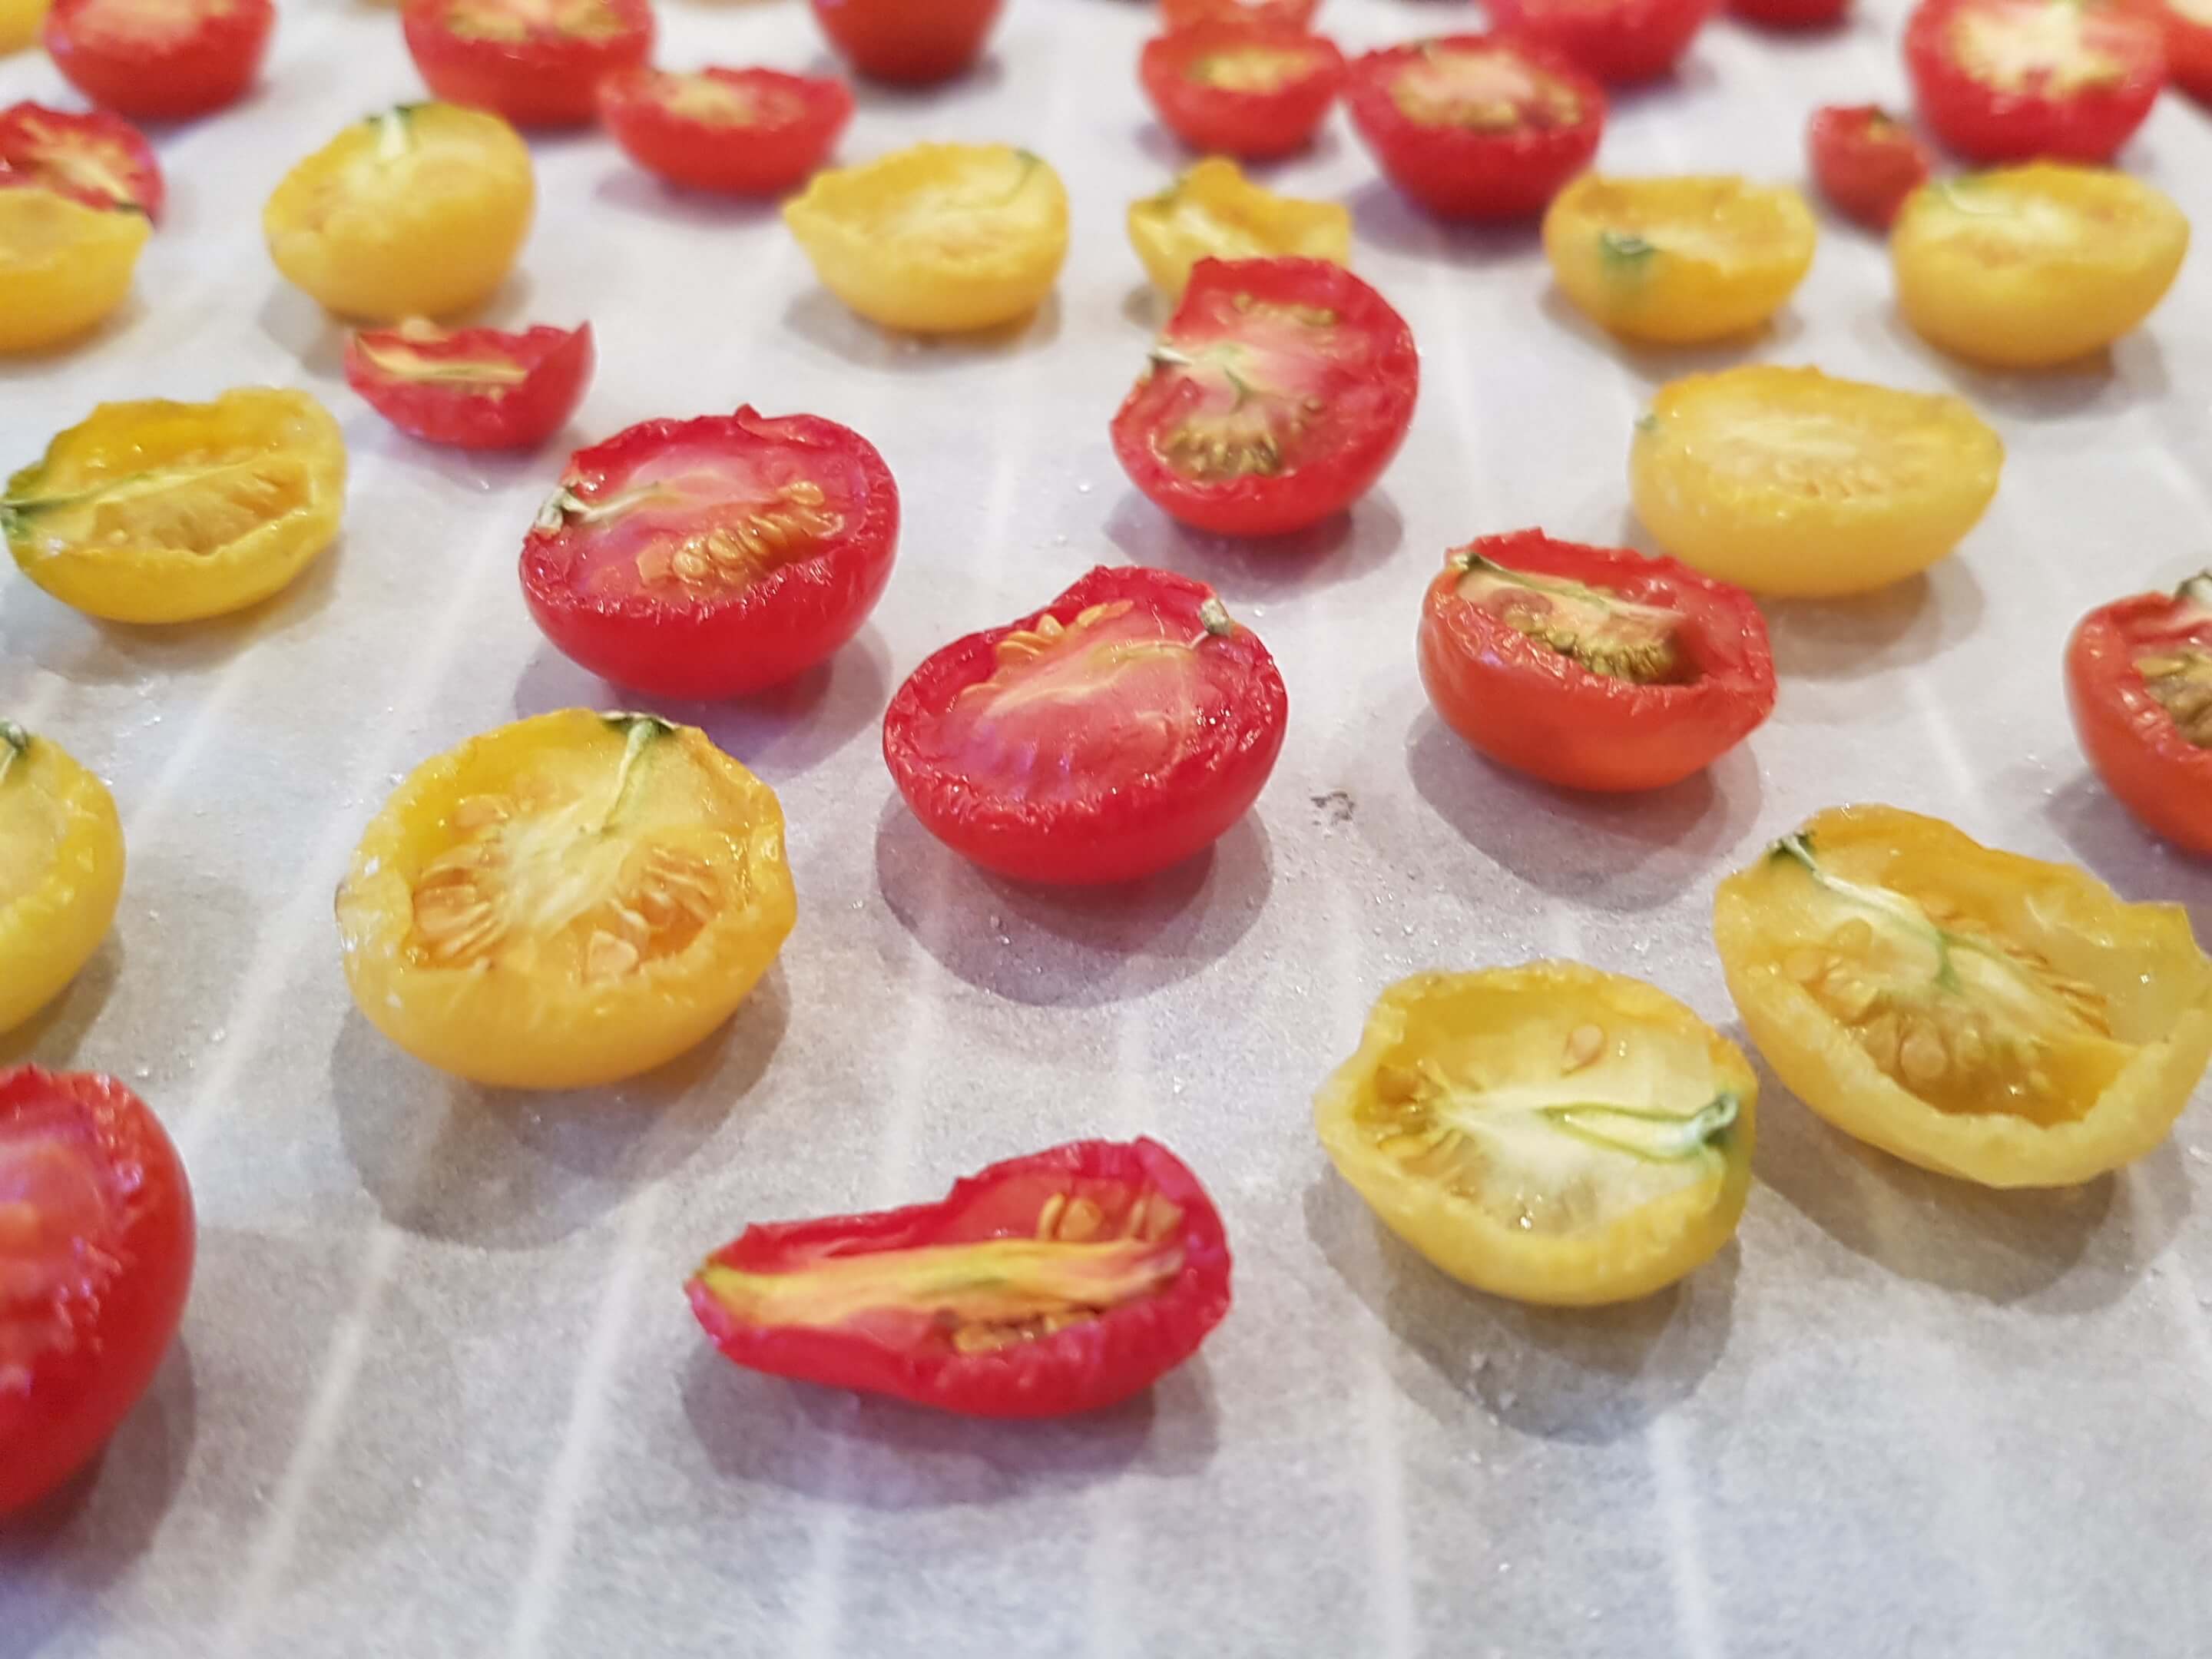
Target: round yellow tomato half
19, 23
940, 238
1551, 1134
417, 212
2032, 266
64, 266
568, 901
1976, 1012
1215, 212
61, 871
1681, 260
1789, 481
161, 512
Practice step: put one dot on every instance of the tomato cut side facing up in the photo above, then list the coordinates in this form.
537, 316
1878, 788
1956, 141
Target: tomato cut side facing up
1476, 127
1121, 730
538, 63
743, 132
160, 60
472, 388
906, 42
1280, 13
1253, 90
2186, 26
2033, 80
716, 557
1215, 212
1062, 1282
61, 875
1618, 41
96, 1239
98, 159
2139, 681
1592, 667
1280, 391
1865, 160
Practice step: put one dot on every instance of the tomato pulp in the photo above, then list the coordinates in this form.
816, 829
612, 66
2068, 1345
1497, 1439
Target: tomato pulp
98, 159
474, 388
160, 60
2139, 682
748, 132
2031, 80
909, 42
1249, 89
1865, 161
1616, 41
538, 63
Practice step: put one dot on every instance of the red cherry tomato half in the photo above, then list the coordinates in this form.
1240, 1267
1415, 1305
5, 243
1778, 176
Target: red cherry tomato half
712, 557
1284, 13
1616, 41
160, 60
474, 388
1476, 127
1117, 732
1280, 391
911, 42
1251, 89
749, 132
2139, 681
1865, 160
1062, 1282
1790, 14
95, 1257
1592, 667
2019, 80
98, 159
2186, 28
538, 63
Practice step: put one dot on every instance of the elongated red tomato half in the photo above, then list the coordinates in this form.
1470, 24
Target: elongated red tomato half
1117, 732
712, 557
2029, 80
1476, 127
1865, 160
746, 132
160, 60
1618, 41
472, 388
908, 42
1592, 667
1062, 1282
95, 158
96, 1257
1277, 395
1256, 90
2139, 682
538, 63
2185, 26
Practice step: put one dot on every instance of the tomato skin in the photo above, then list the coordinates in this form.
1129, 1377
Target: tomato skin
1460, 172
1254, 125
1289, 14
36, 144
2129, 737
1790, 14
762, 158
1632, 40
905, 43
208, 65
559, 360
1865, 160
128, 1291
1985, 123
2188, 46
1080, 1368
550, 78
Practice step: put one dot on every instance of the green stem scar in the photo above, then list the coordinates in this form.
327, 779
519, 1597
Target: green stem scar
1654, 1137
14, 741
1898, 911
640, 732
1625, 247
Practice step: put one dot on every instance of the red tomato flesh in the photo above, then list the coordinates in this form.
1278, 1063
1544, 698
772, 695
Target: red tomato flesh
1062, 1282
2186, 28
2023, 79
1256, 90
2139, 682
1791, 14
1292, 14
746, 132
160, 60
908, 42
1865, 160
98, 159
473, 388
1618, 41
538, 63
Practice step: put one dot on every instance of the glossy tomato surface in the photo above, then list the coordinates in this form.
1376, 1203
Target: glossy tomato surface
160, 60
96, 158
1865, 160
1057, 1283
1253, 90
538, 63
2031, 79
1280, 391
716, 557
1616, 41
748, 132
904, 41
2185, 26
2139, 682
472, 388
96, 1257
1118, 731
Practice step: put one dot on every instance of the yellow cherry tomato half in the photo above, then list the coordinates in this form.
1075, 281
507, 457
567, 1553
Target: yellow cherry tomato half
64, 266
940, 239
566, 901
1551, 1133
19, 23
161, 512
1789, 481
2032, 266
1677, 261
417, 212
1215, 212
61, 871
1976, 1012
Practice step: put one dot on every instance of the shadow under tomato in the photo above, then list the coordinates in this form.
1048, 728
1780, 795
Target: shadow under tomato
1906, 624
2112, 846
630, 189
51, 1037
982, 76
1388, 218
1655, 365
1263, 568
43, 363
1145, 307
2108, 381
1152, 140
822, 320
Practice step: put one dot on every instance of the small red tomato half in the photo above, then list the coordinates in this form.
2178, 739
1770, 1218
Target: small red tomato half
1255, 90
1592, 667
1115, 733
1618, 41
1865, 160
1062, 1282
98, 159
2139, 681
538, 63
2186, 27
1476, 127
1286, 14
2029, 80
474, 388
1278, 394
160, 60
1790, 14
712, 557
96, 1257
747, 132
908, 42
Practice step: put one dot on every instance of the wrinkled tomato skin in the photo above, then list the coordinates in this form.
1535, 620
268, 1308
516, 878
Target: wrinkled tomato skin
546, 80
1635, 40
1256, 126
1791, 14
1982, 124
29, 130
207, 67
560, 361
1085, 1367
1536, 710
2153, 770
751, 160
908, 42
1865, 161
126, 1311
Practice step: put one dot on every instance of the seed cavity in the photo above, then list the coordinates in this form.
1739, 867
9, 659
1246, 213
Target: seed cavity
2180, 679
735, 553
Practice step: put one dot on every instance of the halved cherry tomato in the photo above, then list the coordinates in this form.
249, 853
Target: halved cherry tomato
1253, 90
908, 42
2186, 28
1616, 41
1057, 1283
474, 388
1215, 212
2139, 681
1476, 127
1117, 732
712, 557
160, 60
2032, 80
98, 159
1594, 667
1790, 14
1292, 14
95, 1260
1280, 391
1865, 160
61, 875
749, 132
65, 267
538, 63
